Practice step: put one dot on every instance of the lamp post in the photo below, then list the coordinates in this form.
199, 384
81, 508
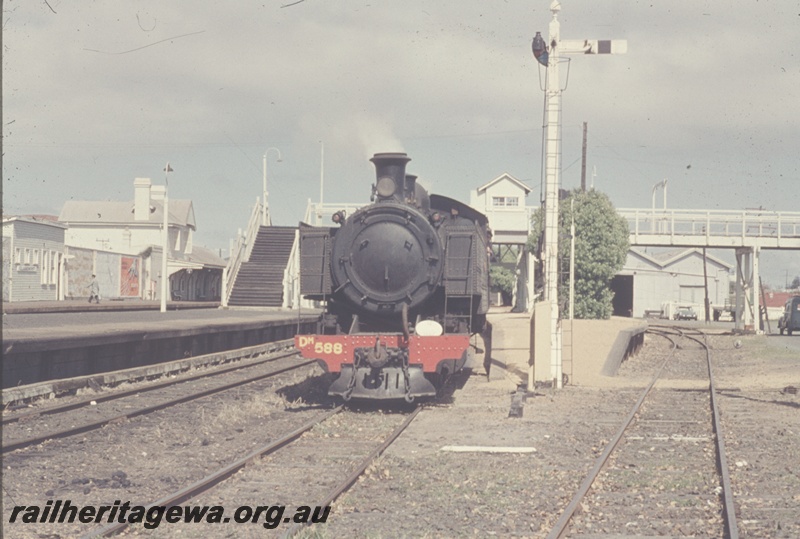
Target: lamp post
165, 242
265, 220
321, 179
662, 183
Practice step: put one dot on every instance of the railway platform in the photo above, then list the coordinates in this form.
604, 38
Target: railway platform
82, 305
592, 349
41, 344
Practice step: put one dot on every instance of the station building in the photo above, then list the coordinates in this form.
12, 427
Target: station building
33, 258
124, 240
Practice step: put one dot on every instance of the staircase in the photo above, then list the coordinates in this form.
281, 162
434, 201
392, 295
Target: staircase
259, 282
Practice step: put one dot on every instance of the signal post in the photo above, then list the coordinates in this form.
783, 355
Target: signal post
549, 54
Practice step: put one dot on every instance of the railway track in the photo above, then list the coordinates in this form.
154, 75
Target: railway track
87, 414
665, 471
16, 400
316, 462
762, 435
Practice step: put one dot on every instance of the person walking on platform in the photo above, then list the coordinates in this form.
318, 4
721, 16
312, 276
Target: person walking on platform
94, 290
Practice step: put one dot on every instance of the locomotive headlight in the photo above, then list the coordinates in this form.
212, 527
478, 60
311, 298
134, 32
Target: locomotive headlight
386, 186
429, 328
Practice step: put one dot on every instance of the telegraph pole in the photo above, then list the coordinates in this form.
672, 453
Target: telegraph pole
583, 160
549, 54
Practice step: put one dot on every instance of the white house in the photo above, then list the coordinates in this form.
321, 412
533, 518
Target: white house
660, 280
33, 259
135, 228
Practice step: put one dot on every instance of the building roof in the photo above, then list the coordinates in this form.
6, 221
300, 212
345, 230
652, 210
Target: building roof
777, 299
181, 213
46, 220
203, 256
508, 177
669, 257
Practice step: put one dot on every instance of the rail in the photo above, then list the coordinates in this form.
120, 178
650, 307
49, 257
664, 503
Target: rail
749, 227
240, 252
94, 424
730, 531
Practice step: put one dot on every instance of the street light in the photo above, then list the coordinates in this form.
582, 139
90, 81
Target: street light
662, 183
165, 242
265, 220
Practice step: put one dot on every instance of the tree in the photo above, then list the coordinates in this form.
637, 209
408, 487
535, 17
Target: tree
601, 247
795, 283
503, 280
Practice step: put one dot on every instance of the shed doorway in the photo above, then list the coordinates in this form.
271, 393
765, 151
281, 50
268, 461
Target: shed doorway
622, 286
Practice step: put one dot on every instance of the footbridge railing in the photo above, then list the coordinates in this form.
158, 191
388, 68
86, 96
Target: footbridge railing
240, 252
714, 228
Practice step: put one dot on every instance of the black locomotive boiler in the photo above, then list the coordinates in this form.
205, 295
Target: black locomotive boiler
405, 283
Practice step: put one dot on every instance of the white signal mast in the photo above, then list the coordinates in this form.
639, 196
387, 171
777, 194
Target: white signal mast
549, 54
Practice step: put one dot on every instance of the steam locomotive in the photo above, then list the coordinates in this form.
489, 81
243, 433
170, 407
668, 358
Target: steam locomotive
405, 283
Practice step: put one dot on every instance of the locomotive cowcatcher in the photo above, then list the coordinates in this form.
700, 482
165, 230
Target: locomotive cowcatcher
404, 282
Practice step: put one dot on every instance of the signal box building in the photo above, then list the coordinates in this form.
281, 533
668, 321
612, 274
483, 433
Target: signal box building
503, 201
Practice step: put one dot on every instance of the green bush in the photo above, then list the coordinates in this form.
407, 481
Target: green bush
503, 280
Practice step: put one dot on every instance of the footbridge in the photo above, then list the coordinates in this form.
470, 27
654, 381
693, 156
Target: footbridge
715, 229
748, 232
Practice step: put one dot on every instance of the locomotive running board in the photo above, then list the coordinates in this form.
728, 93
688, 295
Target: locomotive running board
377, 388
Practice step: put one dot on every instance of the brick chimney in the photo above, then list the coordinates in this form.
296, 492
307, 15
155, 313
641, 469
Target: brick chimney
141, 200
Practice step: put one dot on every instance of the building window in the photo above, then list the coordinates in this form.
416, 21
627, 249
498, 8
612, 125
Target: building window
27, 256
18, 255
505, 201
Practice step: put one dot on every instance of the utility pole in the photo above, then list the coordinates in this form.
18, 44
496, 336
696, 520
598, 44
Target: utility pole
583, 160
549, 54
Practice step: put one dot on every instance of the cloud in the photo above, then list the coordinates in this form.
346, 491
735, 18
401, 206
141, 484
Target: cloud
452, 83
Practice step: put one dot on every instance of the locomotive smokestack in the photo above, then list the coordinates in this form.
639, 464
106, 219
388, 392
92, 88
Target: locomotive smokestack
390, 171
410, 187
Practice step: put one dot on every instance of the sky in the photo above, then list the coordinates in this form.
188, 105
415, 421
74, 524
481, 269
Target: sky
96, 94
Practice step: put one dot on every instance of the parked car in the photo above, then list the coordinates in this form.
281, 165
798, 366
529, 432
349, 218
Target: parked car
685, 313
790, 319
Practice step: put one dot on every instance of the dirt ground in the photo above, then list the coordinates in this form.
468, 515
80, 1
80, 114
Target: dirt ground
424, 490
